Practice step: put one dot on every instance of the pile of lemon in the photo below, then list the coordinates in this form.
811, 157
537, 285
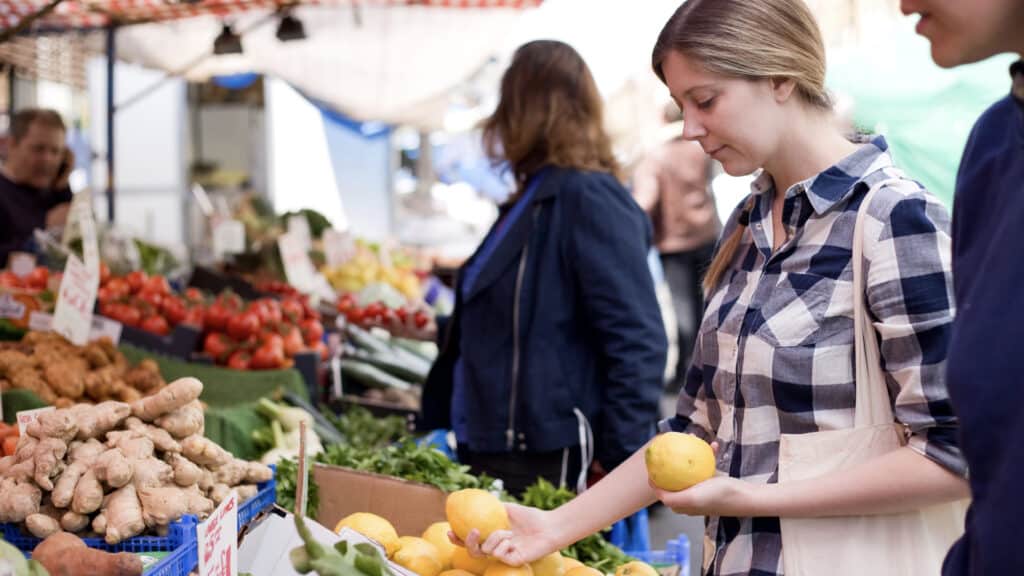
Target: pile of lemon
433, 554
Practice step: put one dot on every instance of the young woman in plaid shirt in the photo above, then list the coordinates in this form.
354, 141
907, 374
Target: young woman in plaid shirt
775, 354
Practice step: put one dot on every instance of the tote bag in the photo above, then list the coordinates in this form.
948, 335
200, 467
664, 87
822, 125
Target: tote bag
907, 544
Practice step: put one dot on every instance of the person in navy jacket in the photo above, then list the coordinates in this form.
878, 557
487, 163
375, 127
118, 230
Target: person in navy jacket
984, 374
551, 364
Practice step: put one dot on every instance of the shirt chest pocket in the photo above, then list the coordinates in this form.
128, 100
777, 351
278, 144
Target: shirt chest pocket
808, 310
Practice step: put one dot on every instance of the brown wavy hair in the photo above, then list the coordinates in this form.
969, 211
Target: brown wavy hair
550, 113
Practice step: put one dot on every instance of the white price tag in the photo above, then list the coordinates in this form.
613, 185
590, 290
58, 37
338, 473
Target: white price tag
40, 322
72, 317
11, 308
218, 540
26, 417
102, 326
339, 247
298, 226
228, 237
297, 265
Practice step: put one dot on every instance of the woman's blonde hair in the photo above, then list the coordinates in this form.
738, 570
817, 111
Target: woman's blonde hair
753, 40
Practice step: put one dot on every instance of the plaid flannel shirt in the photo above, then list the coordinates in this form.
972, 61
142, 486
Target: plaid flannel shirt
775, 353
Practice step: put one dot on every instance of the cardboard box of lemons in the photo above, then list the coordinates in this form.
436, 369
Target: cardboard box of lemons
474, 508
437, 534
501, 569
569, 564
418, 555
373, 527
550, 565
676, 461
636, 568
462, 560
582, 570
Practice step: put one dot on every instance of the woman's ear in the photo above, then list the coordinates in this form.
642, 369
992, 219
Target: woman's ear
782, 89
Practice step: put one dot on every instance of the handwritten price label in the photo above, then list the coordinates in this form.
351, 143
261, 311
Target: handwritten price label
26, 417
218, 540
72, 317
297, 265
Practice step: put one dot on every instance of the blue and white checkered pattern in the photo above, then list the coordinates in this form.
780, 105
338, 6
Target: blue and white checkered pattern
775, 353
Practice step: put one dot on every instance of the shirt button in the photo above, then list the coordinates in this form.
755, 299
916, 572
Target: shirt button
522, 446
758, 226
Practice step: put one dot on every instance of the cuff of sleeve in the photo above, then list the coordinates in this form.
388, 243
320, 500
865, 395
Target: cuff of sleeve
942, 452
684, 425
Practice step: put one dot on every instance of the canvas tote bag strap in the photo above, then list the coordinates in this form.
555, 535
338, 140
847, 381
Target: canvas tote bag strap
873, 406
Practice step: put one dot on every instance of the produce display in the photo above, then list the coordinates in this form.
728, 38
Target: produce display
64, 553
118, 469
147, 302
35, 281
62, 374
433, 554
367, 267
370, 310
390, 369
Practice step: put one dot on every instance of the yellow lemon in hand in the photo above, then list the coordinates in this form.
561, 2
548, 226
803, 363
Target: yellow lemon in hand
473, 508
676, 461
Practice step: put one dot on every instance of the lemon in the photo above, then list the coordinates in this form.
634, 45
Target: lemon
437, 534
676, 461
418, 555
456, 572
550, 565
473, 508
583, 571
569, 564
373, 527
501, 569
461, 560
636, 568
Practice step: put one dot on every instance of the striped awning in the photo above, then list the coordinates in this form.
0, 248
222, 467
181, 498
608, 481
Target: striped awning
87, 14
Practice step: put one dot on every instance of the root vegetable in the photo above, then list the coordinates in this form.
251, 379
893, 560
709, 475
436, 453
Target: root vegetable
246, 492
232, 473
58, 424
145, 377
81, 456
113, 468
41, 525
95, 421
32, 380
205, 452
64, 554
184, 421
186, 473
49, 461
65, 379
198, 504
128, 394
20, 500
99, 524
6, 463
162, 505
207, 480
26, 448
103, 384
257, 473
72, 522
22, 471
169, 398
131, 444
88, 494
123, 512
161, 439
219, 492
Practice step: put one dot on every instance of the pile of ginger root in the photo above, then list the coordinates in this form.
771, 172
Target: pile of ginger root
62, 374
116, 470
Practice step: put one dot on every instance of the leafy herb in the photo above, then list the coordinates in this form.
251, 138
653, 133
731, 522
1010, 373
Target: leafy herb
362, 429
287, 480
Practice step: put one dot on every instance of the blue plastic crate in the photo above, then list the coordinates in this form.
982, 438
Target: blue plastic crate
179, 533
676, 552
632, 533
265, 498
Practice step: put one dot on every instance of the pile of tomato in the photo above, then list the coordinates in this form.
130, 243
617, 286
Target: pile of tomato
378, 313
147, 302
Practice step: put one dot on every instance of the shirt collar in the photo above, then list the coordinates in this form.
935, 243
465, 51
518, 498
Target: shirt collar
836, 183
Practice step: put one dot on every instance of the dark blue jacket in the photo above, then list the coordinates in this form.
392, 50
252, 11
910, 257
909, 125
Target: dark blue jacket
985, 378
563, 316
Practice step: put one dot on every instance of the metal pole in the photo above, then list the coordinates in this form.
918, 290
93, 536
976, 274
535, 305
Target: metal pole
111, 61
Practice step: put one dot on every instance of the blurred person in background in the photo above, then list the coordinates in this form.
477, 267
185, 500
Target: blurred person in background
552, 362
672, 184
984, 376
34, 190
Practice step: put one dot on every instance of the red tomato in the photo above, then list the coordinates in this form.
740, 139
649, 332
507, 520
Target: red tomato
173, 309
267, 358
355, 315
293, 343
156, 284
230, 300
239, 360
216, 317
292, 309
273, 340
9, 280
194, 295
123, 313
38, 278
193, 317
373, 312
420, 319
402, 314
154, 299
218, 346
135, 280
312, 330
244, 325
103, 294
156, 324
118, 287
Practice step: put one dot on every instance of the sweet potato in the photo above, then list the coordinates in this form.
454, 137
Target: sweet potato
64, 554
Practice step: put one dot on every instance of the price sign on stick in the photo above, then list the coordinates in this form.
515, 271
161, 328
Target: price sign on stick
72, 317
297, 265
218, 540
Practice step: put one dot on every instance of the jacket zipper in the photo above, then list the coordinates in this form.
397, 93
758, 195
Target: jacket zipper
510, 432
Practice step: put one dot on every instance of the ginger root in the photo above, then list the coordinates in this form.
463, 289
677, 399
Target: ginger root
49, 461
41, 525
72, 522
145, 377
20, 500
169, 398
186, 472
205, 452
184, 421
113, 468
95, 421
65, 379
81, 456
161, 439
123, 513
88, 494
